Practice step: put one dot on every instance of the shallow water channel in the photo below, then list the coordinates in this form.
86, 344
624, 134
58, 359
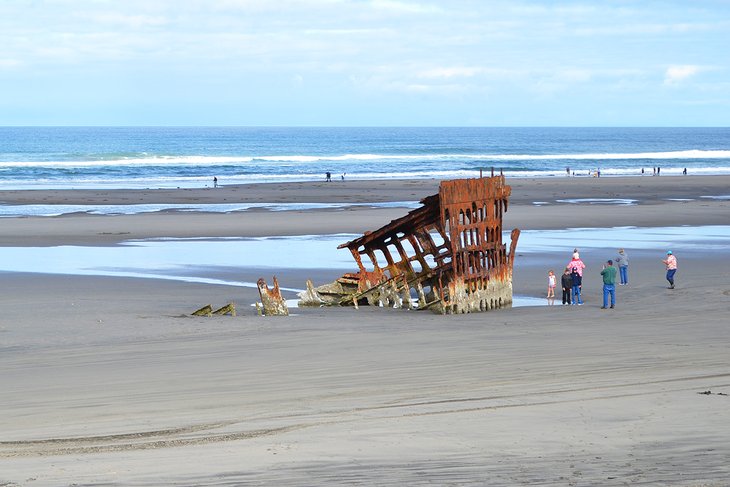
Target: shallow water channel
194, 260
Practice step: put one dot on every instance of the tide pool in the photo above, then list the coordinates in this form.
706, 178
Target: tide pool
194, 259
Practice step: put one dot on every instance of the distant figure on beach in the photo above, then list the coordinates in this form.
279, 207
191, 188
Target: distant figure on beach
343, 176
685, 171
577, 284
671, 263
609, 284
622, 261
328, 176
653, 171
642, 171
215, 182
566, 282
567, 170
658, 170
552, 282
598, 172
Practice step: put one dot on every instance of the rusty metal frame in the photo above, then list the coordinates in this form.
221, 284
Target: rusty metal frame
449, 252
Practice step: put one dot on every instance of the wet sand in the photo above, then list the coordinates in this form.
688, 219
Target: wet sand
110, 381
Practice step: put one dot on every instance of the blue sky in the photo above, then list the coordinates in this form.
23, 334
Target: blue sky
365, 62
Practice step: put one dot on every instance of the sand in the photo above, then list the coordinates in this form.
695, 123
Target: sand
110, 381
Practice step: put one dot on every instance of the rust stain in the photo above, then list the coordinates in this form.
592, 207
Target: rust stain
448, 254
272, 302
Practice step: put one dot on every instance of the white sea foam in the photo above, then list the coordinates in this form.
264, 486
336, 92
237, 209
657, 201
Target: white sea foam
600, 201
194, 160
721, 197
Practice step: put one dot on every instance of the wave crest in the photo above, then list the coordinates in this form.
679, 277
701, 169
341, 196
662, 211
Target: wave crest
168, 160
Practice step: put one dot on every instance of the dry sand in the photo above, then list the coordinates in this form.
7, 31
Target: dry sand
109, 381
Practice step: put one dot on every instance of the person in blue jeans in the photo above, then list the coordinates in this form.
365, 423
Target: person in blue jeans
622, 261
609, 284
577, 284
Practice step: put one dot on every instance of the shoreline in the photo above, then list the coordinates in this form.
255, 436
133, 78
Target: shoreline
659, 201
524, 190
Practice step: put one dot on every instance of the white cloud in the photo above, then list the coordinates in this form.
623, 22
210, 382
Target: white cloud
574, 75
126, 20
677, 74
9, 63
406, 7
450, 72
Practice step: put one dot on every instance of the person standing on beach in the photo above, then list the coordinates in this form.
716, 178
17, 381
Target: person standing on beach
215, 182
567, 284
328, 176
622, 261
552, 282
671, 263
577, 283
576, 267
576, 263
609, 284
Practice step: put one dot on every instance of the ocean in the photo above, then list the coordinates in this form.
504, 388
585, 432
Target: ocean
169, 157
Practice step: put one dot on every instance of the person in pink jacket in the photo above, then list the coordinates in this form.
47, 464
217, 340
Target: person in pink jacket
576, 263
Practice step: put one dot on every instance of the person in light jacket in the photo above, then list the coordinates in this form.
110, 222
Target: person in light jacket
622, 261
671, 263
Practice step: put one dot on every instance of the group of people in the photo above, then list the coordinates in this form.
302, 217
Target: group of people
328, 176
572, 279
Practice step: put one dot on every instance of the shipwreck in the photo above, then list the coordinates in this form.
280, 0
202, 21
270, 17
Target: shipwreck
446, 256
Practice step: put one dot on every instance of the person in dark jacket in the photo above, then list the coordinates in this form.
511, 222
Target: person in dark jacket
567, 283
577, 284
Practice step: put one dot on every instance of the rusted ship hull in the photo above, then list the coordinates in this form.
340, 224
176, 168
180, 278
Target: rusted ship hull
446, 256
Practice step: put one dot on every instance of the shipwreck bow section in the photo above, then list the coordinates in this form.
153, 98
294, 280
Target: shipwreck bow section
448, 254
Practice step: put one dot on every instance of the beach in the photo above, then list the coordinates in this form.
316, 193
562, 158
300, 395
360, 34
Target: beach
110, 380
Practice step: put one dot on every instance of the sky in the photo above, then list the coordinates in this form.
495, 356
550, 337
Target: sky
365, 62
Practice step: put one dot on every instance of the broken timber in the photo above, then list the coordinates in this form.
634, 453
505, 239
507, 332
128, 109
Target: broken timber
230, 308
272, 302
448, 255
207, 310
